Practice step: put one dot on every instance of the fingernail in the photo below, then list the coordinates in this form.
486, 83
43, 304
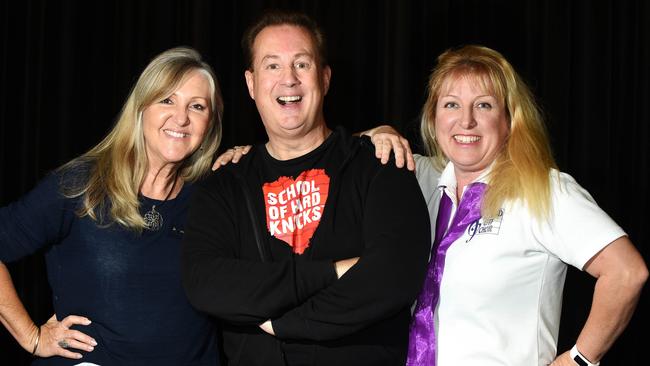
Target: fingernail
93, 342
90, 349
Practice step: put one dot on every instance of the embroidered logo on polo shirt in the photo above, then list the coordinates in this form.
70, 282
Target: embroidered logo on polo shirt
294, 207
485, 226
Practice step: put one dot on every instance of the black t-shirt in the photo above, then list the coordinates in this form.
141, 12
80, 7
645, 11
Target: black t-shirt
261, 239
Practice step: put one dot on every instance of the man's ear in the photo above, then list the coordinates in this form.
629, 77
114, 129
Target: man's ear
327, 76
250, 83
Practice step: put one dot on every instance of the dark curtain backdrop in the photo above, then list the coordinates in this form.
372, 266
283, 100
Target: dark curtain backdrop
66, 68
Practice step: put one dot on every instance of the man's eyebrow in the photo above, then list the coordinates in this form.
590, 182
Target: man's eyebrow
303, 54
297, 55
273, 57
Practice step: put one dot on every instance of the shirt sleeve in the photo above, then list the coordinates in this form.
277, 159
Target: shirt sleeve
216, 278
33, 221
578, 228
388, 275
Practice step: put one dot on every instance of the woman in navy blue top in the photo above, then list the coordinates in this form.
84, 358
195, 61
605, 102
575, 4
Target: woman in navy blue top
111, 222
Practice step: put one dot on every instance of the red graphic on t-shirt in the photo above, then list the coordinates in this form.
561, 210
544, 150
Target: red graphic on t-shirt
294, 207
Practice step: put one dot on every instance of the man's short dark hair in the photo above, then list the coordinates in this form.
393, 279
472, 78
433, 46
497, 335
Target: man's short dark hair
278, 17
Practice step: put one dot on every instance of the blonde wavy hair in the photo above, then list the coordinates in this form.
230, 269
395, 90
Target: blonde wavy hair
521, 170
115, 168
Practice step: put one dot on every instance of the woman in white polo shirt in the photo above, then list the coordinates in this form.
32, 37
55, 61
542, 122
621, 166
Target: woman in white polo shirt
508, 223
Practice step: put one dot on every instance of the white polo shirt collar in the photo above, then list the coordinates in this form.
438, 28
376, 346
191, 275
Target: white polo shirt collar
448, 181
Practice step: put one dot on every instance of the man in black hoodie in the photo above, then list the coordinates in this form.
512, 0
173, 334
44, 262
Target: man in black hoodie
309, 251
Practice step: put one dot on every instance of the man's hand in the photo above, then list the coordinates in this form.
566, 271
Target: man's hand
344, 265
267, 326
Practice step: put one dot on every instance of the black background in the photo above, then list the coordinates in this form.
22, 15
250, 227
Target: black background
66, 68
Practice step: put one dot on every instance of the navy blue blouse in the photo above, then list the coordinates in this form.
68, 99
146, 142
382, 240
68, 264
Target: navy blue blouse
128, 284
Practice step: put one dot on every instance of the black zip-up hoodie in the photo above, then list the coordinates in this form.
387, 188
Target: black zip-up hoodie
234, 269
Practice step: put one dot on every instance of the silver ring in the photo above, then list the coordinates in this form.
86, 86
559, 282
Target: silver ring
63, 344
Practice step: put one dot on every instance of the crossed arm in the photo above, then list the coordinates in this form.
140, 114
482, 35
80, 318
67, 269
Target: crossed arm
386, 140
329, 307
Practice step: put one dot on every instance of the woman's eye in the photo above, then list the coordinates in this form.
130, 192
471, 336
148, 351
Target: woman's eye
451, 105
273, 66
484, 105
166, 101
302, 65
199, 107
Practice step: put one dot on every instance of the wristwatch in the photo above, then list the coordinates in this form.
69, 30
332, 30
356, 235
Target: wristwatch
579, 358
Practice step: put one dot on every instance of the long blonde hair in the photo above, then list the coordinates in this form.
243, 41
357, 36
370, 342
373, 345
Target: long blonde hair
116, 167
521, 170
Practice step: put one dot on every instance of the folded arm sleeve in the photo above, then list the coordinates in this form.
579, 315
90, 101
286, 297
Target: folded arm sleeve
388, 275
216, 278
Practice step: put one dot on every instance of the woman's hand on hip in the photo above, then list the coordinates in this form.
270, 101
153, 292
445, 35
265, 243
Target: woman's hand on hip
57, 339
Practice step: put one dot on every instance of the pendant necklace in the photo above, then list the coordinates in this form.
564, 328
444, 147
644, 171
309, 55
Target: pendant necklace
153, 220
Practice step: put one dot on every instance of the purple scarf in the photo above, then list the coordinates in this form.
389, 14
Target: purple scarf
422, 335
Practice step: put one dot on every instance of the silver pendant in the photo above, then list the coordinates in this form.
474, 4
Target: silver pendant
153, 220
